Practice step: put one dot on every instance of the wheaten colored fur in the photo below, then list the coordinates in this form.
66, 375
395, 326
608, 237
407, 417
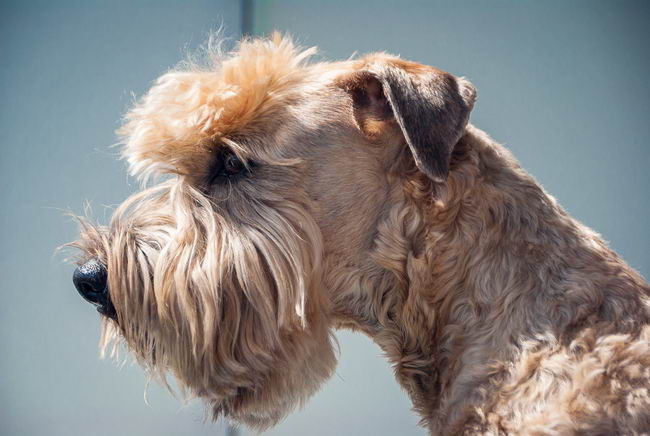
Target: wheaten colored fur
370, 204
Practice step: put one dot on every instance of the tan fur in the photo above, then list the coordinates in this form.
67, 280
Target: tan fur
499, 312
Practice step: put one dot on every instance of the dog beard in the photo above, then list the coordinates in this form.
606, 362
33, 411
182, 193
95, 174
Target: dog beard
228, 302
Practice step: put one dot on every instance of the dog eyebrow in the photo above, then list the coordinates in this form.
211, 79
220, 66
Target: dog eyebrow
185, 106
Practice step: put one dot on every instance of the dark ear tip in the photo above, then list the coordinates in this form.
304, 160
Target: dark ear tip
437, 176
435, 168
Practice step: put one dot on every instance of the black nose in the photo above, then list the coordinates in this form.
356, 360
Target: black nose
91, 279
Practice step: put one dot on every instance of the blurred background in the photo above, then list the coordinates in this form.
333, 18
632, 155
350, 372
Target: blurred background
563, 84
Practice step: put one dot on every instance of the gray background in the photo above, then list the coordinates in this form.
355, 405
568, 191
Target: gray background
563, 85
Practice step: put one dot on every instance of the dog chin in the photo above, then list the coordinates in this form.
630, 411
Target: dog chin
260, 421
257, 417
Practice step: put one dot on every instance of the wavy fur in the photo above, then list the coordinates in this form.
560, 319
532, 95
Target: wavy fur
499, 312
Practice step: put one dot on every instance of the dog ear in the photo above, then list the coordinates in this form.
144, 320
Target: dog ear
431, 108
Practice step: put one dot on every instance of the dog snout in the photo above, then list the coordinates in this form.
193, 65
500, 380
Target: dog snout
91, 281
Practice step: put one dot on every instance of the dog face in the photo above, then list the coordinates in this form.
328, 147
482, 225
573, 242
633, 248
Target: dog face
279, 172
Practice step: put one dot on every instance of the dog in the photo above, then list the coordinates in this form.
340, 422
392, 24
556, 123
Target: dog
295, 197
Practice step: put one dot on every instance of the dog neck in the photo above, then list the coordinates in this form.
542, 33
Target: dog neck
463, 277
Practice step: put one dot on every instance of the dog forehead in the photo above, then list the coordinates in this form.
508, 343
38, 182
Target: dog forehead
186, 112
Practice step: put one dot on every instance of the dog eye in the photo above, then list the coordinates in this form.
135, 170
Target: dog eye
228, 165
232, 165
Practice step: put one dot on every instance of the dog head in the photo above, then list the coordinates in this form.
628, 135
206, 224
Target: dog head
277, 175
